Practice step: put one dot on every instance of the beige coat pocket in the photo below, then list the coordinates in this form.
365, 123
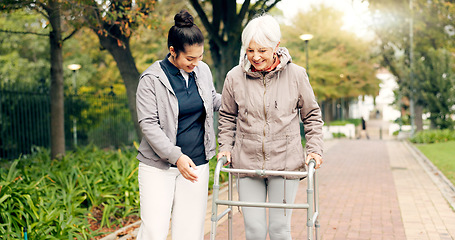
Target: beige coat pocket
246, 153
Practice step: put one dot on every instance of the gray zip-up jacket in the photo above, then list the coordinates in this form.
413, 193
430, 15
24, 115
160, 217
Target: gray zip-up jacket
157, 111
259, 117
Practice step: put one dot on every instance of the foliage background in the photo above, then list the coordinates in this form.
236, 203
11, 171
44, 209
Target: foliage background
60, 199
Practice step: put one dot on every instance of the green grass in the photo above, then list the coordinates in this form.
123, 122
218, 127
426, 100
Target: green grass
442, 155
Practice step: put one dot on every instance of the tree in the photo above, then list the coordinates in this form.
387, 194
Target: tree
27, 52
52, 12
432, 28
114, 23
341, 66
435, 74
225, 30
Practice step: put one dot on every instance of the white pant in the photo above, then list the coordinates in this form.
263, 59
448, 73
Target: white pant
166, 192
255, 218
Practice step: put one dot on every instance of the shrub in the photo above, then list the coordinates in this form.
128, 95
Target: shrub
339, 135
355, 121
433, 136
56, 199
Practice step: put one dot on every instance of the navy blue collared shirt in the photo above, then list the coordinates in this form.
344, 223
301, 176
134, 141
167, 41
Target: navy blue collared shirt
190, 131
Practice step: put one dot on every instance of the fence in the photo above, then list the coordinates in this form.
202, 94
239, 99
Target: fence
102, 120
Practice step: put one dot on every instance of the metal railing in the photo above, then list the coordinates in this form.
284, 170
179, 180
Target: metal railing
103, 120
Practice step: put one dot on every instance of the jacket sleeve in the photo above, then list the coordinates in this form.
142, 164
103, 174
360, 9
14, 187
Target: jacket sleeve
310, 113
228, 115
216, 100
147, 112
216, 97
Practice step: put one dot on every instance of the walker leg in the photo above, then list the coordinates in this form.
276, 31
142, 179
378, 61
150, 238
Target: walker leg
216, 189
310, 199
230, 212
316, 205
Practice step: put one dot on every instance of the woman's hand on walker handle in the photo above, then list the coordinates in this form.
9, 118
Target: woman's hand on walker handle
224, 154
317, 158
186, 166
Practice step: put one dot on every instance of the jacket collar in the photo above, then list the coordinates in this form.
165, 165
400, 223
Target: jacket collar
174, 70
169, 66
156, 70
282, 54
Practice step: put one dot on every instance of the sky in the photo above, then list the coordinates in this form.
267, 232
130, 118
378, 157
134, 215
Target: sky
356, 11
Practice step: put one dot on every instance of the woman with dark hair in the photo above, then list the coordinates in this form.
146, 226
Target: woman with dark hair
175, 101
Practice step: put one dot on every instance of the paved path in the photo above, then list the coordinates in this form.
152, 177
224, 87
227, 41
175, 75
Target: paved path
371, 189
368, 189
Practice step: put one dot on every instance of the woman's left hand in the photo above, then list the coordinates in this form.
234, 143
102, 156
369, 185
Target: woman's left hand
186, 167
224, 154
316, 157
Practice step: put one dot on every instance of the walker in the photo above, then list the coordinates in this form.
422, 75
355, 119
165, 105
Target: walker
311, 205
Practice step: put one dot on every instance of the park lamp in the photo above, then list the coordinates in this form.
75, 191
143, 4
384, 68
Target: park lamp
74, 67
306, 37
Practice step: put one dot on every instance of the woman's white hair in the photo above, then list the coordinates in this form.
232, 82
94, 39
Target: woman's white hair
264, 30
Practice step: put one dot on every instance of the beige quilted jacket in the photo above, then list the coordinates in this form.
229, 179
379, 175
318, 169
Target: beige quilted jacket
260, 114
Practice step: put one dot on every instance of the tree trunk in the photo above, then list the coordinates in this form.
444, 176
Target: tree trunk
56, 89
224, 57
347, 113
128, 70
418, 111
328, 113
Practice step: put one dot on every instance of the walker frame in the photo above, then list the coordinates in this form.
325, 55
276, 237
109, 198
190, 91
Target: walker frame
311, 205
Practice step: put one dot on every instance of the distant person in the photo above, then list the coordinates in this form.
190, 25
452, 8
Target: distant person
175, 103
363, 130
263, 100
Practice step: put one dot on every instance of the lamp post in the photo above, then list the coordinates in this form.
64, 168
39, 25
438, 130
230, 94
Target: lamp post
74, 68
306, 38
411, 73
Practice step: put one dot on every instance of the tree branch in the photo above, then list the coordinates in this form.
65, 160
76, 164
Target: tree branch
71, 34
272, 5
23, 32
206, 22
244, 9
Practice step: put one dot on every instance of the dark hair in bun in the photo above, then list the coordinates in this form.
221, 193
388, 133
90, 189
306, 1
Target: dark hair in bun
184, 32
183, 19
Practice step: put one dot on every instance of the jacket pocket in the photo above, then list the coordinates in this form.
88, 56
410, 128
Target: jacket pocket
277, 153
246, 153
296, 155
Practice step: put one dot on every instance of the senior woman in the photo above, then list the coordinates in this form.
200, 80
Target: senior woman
263, 100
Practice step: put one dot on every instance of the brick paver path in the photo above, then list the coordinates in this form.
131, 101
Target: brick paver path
368, 189
426, 213
359, 200
357, 193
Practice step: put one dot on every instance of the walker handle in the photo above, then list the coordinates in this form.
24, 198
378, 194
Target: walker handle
312, 164
223, 159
